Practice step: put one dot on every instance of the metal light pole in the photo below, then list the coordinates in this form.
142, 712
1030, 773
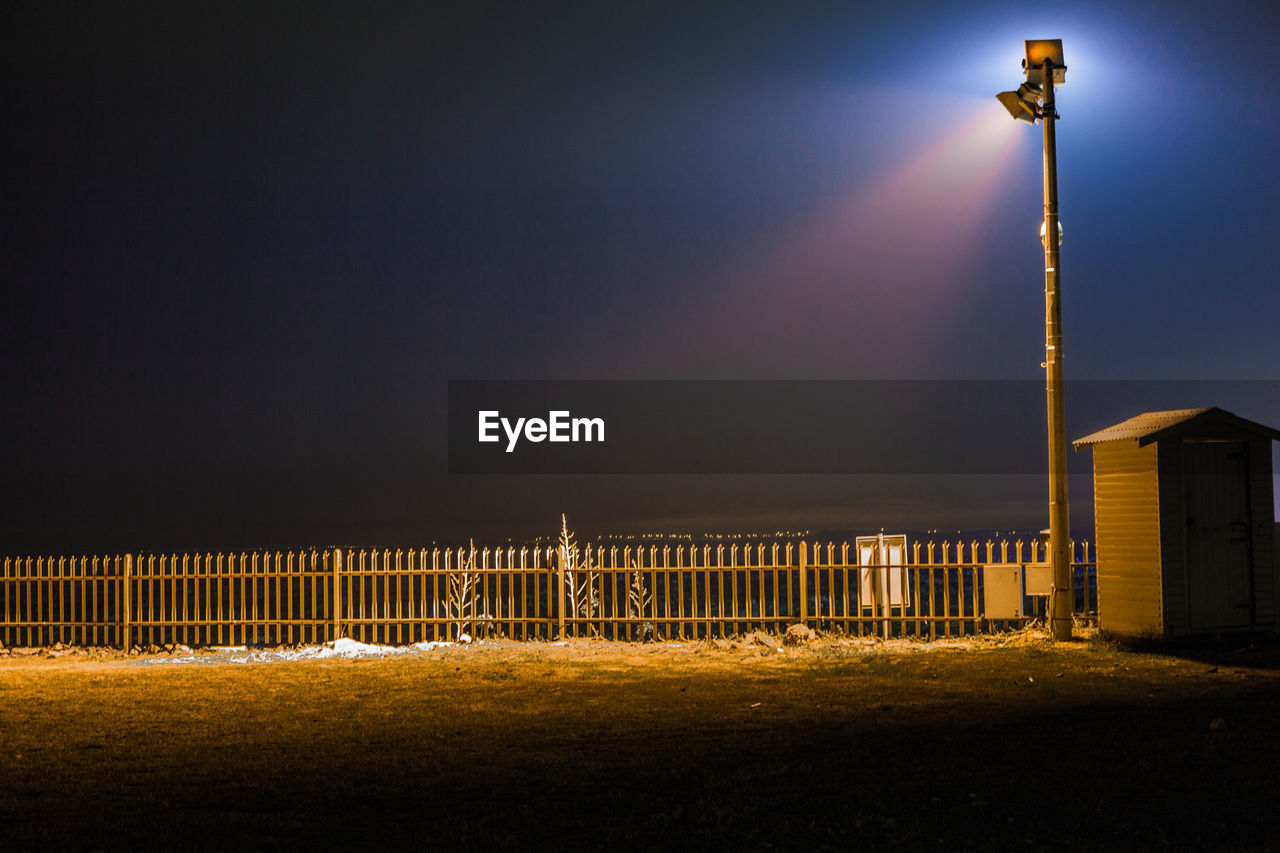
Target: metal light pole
1044, 67
1059, 531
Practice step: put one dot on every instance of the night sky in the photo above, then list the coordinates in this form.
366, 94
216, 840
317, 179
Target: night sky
246, 246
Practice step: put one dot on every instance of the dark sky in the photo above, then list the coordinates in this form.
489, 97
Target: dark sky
246, 246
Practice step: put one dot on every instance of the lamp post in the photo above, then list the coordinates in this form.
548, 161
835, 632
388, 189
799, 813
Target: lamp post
1033, 101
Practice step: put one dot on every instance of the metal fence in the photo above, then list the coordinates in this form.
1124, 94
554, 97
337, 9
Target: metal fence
409, 596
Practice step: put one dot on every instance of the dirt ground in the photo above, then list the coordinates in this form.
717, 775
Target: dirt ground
834, 745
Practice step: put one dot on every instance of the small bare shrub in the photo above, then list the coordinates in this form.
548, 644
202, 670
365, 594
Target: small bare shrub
639, 600
581, 577
461, 604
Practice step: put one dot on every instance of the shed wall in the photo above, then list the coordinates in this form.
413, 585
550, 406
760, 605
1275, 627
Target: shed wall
1173, 537
1126, 515
1262, 512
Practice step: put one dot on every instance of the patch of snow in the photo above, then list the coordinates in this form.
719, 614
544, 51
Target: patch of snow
341, 648
153, 661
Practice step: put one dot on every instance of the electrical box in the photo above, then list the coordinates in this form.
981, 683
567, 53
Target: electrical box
884, 572
1039, 579
1002, 591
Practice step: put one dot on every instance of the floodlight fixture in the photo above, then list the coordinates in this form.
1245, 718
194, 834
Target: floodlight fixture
1040, 51
1024, 104
1043, 61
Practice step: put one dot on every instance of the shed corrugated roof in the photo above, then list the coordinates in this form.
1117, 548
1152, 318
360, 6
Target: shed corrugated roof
1149, 426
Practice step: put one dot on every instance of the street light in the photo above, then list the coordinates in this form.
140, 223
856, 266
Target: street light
1033, 100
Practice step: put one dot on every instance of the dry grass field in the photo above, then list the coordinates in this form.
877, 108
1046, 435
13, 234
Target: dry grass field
837, 745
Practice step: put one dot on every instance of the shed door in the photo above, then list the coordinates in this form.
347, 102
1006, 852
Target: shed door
1219, 570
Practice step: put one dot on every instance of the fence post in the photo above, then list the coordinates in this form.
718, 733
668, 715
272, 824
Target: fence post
126, 606
337, 594
880, 585
804, 583
560, 591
